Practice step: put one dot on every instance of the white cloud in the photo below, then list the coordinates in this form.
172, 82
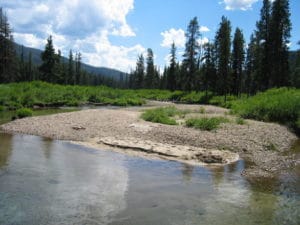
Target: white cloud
203, 41
238, 4
173, 35
204, 29
80, 25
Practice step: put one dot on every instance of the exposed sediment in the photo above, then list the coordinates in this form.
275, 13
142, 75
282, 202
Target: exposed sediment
260, 143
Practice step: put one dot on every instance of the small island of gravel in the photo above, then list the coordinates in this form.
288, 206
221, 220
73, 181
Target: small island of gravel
122, 130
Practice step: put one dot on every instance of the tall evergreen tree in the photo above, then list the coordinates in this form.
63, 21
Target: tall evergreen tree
190, 57
209, 69
78, 67
8, 59
150, 78
171, 72
71, 74
263, 54
222, 45
280, 32
137, 76
249, 86
238, 59
48, 56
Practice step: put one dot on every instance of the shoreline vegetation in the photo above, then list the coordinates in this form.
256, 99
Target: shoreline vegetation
281, 105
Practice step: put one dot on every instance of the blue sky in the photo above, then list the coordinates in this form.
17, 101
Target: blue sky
111, 33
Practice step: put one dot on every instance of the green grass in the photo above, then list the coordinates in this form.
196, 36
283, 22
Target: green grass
24, 112
160, 115
275, 105
205, 123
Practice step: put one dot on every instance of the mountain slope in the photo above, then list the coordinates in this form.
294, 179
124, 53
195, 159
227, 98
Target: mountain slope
36, 59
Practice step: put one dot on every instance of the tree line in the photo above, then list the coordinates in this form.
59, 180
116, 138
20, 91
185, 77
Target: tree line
54, 68
225, 65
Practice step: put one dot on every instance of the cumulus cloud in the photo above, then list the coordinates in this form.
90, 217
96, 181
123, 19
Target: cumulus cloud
80, 25
173, 35
204, 29
239, 4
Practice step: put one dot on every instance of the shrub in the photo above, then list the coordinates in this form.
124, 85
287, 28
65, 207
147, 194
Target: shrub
240, 121
160, 115
206, 123
24, 112
275, 105
2, 108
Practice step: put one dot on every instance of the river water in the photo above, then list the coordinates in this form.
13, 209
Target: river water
55, 182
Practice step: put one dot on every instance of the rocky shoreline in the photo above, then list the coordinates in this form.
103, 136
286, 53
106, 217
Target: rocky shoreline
261, 144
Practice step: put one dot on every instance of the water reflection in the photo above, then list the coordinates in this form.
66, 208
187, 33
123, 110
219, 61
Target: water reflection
5, 148
58, 183
53, 182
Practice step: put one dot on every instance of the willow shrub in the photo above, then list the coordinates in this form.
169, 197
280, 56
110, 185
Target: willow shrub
280, 105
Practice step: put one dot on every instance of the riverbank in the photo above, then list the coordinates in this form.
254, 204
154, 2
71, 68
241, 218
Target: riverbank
261, 144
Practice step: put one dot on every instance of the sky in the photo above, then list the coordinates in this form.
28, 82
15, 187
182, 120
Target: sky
111, 33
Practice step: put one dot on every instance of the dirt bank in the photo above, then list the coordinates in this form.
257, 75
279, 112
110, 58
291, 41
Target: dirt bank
262, 144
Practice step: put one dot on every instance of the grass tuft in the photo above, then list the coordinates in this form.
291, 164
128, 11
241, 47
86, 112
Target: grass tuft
206, 123
160, 115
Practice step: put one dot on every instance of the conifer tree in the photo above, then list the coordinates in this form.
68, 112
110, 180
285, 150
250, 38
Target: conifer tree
238, 59
280, 32
171, 72
150, 78
71, 75
190, 57
48, 56
8, 59
263, 51
222, 45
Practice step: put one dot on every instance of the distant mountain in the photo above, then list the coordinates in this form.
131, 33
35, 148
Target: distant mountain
36, 59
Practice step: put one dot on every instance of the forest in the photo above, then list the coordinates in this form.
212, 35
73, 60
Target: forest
217, 72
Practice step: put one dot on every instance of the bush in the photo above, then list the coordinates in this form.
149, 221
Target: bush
206, 123
275, 105
160, 115
24, 112
240, 121
2, 108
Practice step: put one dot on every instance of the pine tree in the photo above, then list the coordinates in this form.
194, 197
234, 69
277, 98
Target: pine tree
71, 75
209, 69
150, 70
222, 45
238, 59
280, 32
78, 67
262, 35
48, 56
8, 59
171, 72
139, 73
250, 87
190, 57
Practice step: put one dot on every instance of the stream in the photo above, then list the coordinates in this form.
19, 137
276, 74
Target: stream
53, 182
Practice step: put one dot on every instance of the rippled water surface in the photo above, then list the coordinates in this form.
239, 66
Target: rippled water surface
55, 182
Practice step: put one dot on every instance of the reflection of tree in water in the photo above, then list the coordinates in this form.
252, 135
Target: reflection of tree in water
47, 146
187, 171
217, 175
5, 148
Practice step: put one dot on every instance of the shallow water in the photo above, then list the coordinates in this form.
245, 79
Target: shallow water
55, 182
